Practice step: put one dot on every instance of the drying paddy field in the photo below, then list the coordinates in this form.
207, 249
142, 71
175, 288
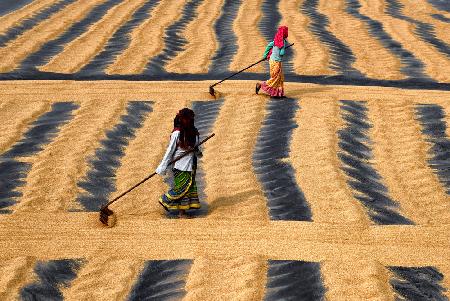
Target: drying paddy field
341, 191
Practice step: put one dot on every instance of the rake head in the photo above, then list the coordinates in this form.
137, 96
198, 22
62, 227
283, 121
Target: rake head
107, 217
211, 91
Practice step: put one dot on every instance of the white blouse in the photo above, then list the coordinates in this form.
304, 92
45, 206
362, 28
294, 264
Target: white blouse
173, 152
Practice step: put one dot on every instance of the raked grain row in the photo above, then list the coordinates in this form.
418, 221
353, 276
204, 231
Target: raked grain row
353, 38
233, 249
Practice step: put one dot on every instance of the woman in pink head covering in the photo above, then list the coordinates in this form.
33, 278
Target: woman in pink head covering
274, 53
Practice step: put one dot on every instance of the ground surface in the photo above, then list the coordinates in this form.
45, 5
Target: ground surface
340, 191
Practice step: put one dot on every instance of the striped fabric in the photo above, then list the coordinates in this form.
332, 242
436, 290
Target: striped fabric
184, 195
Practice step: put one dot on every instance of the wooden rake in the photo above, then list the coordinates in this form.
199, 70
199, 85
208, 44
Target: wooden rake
105, 212
211, 88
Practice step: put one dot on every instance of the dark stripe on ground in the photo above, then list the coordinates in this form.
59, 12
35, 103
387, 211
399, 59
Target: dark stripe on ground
29, 23
220, 62
434, 127
355, 156
41, 133
441, 18
174, 41
55, 46
99, 182
12, 175
161, 280
285, 199
317, 79
424, 30
342, 56
119, 41
441, 4
418, 283
268, 23
9, 6
294, 280
270, 19
52, 276
411, 66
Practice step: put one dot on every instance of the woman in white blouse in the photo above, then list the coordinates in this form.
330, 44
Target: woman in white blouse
183, 195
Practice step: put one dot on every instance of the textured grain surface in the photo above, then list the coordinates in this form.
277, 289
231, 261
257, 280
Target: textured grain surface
330, 158
232, 247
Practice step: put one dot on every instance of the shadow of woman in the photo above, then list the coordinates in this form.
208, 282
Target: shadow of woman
228, 201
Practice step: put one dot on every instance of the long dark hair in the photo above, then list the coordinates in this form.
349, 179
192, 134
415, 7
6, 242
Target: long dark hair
184, 122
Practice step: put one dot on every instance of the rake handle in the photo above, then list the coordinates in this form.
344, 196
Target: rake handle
263, 59
238, 72
153, 174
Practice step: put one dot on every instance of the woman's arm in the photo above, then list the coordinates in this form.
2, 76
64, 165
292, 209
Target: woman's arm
284, 47
161, 170
268, 48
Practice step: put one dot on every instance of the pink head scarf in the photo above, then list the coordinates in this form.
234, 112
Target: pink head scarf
281, 34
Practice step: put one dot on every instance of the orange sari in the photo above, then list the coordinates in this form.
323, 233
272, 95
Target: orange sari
275, 85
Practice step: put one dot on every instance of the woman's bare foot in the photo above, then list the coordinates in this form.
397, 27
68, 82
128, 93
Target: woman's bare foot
184, 214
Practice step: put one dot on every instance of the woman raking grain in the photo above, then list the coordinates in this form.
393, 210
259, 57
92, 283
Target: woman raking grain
274, 53
183, 195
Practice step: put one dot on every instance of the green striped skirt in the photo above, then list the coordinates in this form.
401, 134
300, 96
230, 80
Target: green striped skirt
184, 195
